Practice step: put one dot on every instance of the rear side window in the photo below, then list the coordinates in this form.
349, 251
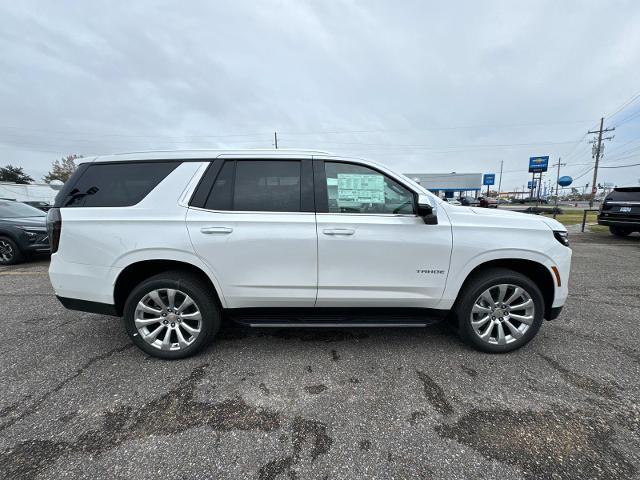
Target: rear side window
258, 186
116, 184
268, 186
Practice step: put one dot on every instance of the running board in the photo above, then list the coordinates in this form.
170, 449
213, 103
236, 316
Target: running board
336, 317
334, 325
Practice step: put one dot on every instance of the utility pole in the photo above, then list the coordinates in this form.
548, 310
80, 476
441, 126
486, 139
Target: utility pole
500, 181
597, 155
275, 138
559, 164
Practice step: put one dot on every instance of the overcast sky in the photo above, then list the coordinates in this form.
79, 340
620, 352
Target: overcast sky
420, 86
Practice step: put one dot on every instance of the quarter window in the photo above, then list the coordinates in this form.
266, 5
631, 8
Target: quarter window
116, 184
357, 189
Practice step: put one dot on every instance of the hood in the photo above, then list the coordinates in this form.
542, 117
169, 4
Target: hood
496, 215
27, 221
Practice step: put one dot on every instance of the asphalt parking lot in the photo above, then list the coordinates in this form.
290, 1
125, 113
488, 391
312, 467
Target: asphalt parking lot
78, 401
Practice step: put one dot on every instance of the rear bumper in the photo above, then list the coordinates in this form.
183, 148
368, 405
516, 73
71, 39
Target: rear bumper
89, 283
88, 306
613, 221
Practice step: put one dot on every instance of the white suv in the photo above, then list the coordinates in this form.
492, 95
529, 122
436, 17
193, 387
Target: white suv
175, 241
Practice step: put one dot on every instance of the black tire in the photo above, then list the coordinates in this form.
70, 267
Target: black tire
10, 254
189, 284
619, 231
479, 283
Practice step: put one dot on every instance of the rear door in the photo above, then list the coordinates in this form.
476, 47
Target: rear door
253, 222
373, 250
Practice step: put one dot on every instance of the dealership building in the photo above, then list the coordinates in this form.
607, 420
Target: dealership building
449, 185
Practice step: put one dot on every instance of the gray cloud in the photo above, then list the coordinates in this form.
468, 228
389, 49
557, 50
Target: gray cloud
385, 80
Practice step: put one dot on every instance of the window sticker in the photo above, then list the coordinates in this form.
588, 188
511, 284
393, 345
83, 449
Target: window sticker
357, 188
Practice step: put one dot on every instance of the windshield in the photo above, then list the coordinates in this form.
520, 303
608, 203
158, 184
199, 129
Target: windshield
17, 210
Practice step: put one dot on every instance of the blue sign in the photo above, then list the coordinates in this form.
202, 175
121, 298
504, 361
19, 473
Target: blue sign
538, 164
489, 179
532, 184
565, 181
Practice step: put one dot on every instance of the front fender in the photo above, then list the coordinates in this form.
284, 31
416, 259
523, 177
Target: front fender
461, 272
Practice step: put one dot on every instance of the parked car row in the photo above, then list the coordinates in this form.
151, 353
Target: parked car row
23, 232
484, 202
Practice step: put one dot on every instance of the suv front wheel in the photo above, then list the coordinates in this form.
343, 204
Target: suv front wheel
499, 311
171, 315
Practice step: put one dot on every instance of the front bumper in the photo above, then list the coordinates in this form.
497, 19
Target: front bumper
35, 248
553, 313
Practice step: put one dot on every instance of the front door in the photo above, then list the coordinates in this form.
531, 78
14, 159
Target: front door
256, 230
372, 248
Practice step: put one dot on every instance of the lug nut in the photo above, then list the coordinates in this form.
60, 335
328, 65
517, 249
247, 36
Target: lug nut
165, 322
173, 324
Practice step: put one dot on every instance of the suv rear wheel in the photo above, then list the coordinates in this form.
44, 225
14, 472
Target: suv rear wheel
499, 311
619, 231
171, 315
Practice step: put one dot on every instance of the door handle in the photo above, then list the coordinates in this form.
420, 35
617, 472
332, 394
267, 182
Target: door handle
338, 231
214, 230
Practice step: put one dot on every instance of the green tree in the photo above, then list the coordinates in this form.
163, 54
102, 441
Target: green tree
62, 169
14, 175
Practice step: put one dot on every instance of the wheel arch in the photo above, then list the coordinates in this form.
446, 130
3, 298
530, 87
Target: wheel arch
536, 271
137, 272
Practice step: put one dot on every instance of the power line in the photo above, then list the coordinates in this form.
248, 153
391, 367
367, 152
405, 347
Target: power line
624, 105
622, 166
627, 119
321, 132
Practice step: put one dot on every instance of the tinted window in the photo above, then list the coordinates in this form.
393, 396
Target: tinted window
221, 196
10, 209
357, 189
260, 186
628, 194
117, 184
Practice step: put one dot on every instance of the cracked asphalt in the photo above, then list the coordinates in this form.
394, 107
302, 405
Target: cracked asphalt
78, 401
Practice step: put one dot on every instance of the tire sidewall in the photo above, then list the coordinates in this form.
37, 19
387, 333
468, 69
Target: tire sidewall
620, 231
207, 305
480, 285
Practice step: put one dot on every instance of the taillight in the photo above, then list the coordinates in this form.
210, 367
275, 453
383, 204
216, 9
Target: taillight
54, 228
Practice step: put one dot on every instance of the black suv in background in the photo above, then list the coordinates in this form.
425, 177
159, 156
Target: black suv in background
620, 211
23, 231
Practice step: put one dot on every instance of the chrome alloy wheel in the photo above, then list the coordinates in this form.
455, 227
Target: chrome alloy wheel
168, 319
502, 314
6, 251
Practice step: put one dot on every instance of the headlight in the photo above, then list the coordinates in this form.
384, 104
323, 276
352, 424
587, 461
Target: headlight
562, 237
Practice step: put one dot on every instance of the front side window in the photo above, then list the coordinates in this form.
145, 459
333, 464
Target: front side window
257, 186
354, 188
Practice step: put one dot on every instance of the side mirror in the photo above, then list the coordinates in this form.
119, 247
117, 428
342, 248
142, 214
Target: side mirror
426, 211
